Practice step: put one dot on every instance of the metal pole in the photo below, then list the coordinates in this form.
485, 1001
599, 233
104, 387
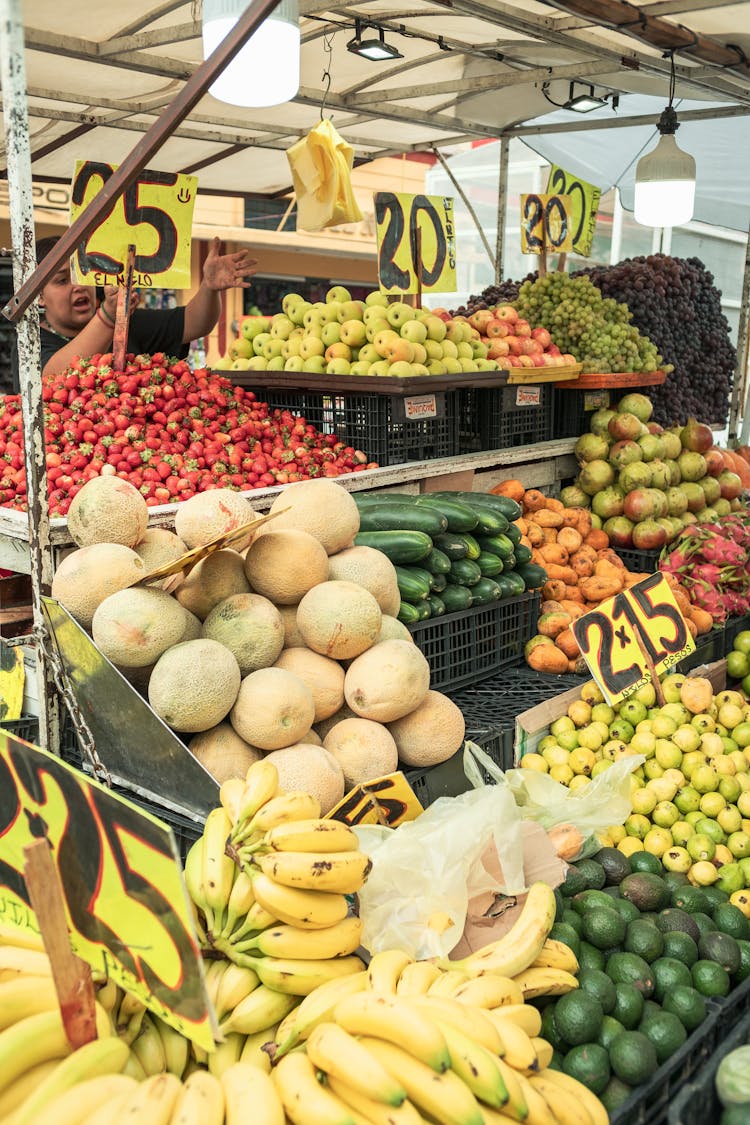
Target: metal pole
13, 79
502, 206
739, 407
466, 202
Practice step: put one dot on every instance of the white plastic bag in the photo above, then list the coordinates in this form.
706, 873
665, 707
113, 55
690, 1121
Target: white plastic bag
431, 867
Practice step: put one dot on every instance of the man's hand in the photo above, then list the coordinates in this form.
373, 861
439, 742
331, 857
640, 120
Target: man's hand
109, 301
227, 271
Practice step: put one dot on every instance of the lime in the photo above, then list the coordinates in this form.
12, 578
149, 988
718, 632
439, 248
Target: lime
589, 1063
633, 1057
738, 665
742, 642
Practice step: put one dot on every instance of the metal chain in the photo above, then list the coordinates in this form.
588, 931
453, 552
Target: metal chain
83, 733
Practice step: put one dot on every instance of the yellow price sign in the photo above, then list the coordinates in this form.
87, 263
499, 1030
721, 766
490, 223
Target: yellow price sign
545, 224
127, 906
584, 205
388, 800
615, 638
416, 238
155, 214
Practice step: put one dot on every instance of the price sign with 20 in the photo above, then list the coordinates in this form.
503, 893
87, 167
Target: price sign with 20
545, 224
584, 204
416, 243
155, 214
617, 639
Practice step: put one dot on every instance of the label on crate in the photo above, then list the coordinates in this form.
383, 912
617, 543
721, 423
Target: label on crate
545, 224
622, 636
595, 400
584, 205
420, 406
528, 396
127, 906
155, 214
416, 240
388, 800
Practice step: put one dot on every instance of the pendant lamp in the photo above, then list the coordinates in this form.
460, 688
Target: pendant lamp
665, 178
266, 71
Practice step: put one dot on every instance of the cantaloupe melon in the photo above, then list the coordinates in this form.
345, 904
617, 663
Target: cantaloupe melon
308, 739
250, 626
323, 676
344, 712
88, 575
223, 753
431, 733
194, 685
208, 514
388, 681
193, 626
339, 619
391, 629
283, 565
108, 509
310, 769
274, 708
134, 627
371, 569
320, 507
212, 581
363, 749
292, 636
159, 547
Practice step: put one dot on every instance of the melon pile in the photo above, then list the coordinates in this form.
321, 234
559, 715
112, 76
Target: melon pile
289, 650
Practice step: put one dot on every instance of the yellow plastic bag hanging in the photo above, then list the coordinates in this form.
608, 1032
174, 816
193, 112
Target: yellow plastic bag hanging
321, 165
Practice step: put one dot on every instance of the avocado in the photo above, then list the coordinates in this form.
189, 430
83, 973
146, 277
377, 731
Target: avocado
720, 948
647, 891
592, 872
675, 919
616, 866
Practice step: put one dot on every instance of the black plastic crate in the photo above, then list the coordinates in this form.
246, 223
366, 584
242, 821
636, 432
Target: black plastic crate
375, 423
697, 1102
504, 417
465, 647
572, 410
27, 728
639, 562
446, 780
708, 647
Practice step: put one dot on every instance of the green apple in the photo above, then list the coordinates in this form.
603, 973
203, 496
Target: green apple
450, 350
420, 352
330, 312
467, 365
224, 363
385, 341
336, 294
486, 364
291, 299
401, 369
398, 314
414, 331
373, 312
338, 367
379, 368
436, 367
292, 346
281, 327
376, 298
452, 366
352, 332
373, 328
478, 349
241, 348
310, 346
331, 333
368, 354
338, 351
433, 348
419, 369
297, 313
454, 332
314, 315
276, 363
315, 364
464, 350
296, 363
351, 310
260, 341
241, 364
361, 367
272, 347
257, 363
436, 328
252, 326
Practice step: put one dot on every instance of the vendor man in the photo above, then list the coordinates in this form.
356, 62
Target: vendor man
72, 325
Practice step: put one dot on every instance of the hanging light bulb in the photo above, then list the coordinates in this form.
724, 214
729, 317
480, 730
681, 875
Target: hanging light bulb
266, 71
665, 178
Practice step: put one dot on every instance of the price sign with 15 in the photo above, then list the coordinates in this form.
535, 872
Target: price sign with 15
416, 239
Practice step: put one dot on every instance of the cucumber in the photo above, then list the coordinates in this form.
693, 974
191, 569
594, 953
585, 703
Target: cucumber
424, 576
514, 534
484, 591
503, 504
489, 522
522, 553
399, 546
509, 563
412, 588
438, 584
490, 565
367, 499
408, 613
424, 610
437, 562
401, 517
500, 545
460, 517
437, 605
513, 582
456, 598
533, 576
473, 550
454, 546
464, 572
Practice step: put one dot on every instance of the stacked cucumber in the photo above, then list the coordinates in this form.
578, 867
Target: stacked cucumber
451, 550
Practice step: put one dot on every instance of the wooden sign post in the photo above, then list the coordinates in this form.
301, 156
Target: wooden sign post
122, 317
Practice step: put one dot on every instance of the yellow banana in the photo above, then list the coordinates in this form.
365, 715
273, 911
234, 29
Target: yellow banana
226, 1054
176, 1047
310, 910
235, 984
288, 807
396, 1021
289, 941
516, 1106
544, 1051
300, 978
23, 939
447, 983
471, 1021
261, 1008
589, 1100
261, 786
489, 991
556, 955
133, 1069
213, 971
193, 871
109, 996
252, 1049
74, 1106
525, 1015
519, 1050
240, 902
444, 1097
305, 1100
25, 1084
217, 869
200, 1102
336, 1052
339, 872
314, 835
545, 982
248, 1089
230, 797
30, 962
385, 968
99, 1057
475, 1066
36, 1039
152, 1101
538, 1112
130, 1005
566, 1107
416, 978
376, 1113
257, 918
316, 1008
149, 1049
521, 945
25, 996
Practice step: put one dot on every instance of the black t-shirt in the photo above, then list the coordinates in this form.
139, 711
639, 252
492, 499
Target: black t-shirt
151, 330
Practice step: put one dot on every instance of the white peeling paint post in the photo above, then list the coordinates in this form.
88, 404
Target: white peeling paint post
740, 404
502, 204
15, 113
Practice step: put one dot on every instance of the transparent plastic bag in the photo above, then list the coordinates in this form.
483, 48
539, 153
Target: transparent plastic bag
426, 871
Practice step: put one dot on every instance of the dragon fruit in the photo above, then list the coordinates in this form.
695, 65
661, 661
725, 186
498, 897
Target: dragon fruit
708, 598
712, 562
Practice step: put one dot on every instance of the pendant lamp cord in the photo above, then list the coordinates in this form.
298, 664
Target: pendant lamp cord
326, 76
672, 78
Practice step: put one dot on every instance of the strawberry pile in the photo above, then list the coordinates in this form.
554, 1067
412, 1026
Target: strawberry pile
168, 430
712, 561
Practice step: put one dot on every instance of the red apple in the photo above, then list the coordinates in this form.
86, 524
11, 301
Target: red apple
522, 328
525, 361
542, 335
506, 312
538, 360
515, 345
497, 327
531, 347
497, 348
554, 350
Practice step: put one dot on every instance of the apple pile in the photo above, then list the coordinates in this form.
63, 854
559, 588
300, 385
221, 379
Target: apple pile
340, 336
513, 342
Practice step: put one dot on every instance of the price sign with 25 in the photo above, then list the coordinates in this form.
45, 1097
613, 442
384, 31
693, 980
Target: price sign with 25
618, 638
416, 238
155, 214
545, 224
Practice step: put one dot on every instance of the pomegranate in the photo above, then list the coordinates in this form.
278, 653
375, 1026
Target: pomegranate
591, 447
625, 453
711, 489
639, 505
671, 445
637, 404
695, 496
660, 475
696, 436
675, 476
731, 485
714, 461
677, 502
609, 502
654, 428
625, 427
620, 531
637, 475
692, 465
599, 423
595, 476
659, 500
574, 497
652, 447
649, 536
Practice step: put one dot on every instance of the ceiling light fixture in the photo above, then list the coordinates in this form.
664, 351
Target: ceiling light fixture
583, 103
266, 71
376, 50
665, 177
